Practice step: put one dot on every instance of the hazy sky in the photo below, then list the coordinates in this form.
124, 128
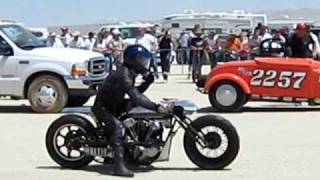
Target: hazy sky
60, 12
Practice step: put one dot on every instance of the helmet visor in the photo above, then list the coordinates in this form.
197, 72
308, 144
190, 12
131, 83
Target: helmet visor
143, 61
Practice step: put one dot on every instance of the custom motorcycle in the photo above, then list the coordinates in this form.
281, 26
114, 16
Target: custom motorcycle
77, 138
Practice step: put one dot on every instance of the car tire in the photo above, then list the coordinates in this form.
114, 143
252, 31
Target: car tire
47, 94
77, 101
227, 96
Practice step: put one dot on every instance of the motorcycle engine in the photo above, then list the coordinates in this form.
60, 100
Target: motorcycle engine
149, 136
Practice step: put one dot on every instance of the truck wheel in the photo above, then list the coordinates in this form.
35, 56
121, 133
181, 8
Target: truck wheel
227, 96
76, 101
47, 94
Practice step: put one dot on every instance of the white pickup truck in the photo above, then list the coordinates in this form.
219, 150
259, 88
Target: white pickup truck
50, 78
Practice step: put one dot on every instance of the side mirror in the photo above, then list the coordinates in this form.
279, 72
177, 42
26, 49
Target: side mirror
6, 51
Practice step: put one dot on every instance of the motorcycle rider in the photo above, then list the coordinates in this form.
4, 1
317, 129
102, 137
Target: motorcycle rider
110, 102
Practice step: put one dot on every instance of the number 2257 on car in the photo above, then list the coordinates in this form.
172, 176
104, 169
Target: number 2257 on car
272, 78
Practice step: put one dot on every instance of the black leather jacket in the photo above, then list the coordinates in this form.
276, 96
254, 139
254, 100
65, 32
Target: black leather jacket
119, 84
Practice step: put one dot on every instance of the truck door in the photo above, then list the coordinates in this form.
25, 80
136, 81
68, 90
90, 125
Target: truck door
8, 66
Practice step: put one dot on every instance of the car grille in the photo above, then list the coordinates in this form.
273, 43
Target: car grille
98, 67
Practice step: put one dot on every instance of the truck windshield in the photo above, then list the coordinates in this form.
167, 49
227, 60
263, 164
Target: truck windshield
21, 37
129, 33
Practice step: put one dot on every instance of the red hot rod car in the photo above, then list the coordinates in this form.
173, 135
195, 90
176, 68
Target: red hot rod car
232, 85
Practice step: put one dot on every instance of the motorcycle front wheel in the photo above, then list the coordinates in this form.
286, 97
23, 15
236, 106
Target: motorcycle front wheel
222, 143
64, 141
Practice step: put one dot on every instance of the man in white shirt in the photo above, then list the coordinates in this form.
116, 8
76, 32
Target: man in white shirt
116, 45
77, 41
53, 41
65, 36
89, 43
150, 42
264, 35
146, 40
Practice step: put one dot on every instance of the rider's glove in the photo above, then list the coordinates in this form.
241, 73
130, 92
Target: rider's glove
149, 78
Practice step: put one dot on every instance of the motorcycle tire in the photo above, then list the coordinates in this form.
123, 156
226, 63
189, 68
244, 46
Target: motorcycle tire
212, 163
51, 138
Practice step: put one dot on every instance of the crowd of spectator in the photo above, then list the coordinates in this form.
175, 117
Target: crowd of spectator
194, 48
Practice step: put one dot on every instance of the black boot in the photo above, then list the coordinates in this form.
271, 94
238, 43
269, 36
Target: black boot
120, 169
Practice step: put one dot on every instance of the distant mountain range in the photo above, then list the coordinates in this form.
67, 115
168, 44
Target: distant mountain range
305, 13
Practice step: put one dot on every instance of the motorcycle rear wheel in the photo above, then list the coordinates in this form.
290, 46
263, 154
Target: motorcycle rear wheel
65, 123
223, 142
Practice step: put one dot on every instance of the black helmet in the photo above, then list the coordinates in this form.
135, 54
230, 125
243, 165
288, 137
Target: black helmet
137, 58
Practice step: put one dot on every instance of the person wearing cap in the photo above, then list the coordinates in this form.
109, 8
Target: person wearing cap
77, 41
116, 45
53, 41
65, 36
90, 41
150, 42
301, 42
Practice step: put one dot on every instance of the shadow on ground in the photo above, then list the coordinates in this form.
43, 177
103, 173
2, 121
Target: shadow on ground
265, 109
28, 110
108, 169
16, 109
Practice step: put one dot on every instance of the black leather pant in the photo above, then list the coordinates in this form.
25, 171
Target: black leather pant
114, 126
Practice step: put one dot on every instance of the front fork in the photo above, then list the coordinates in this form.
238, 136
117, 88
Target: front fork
197, 136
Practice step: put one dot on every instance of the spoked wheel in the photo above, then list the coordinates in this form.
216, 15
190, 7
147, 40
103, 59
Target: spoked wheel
65, 141
221, 143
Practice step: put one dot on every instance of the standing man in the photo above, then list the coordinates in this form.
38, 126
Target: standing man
301, 43
116, 45
165, 54
102, 46
89, 43
184, 46
197, 52
53, 41
77, 41
316, 46
264, 34
65, 36
233, 46
151, 44
211, 48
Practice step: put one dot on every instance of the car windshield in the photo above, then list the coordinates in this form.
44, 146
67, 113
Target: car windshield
21, 37
129, 32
